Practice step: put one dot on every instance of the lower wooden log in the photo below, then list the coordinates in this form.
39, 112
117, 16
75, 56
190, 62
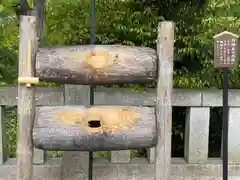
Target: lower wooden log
100, 128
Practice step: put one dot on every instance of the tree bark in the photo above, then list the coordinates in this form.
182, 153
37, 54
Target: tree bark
165, 45
26, 98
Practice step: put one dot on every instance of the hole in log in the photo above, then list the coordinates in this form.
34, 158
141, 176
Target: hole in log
109, 118
94, 124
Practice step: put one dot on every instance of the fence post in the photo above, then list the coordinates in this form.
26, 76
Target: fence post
26, 98
120, 156
151, 155
165, 44
197, 128
75, 164
38, 156
3, 143
233, 136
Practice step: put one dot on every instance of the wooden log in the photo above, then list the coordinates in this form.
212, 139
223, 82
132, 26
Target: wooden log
97, 65
100, 128
26, 98
165, 44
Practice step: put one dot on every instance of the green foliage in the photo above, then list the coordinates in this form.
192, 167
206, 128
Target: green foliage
11, 126
8, 45
131, 22
115, 23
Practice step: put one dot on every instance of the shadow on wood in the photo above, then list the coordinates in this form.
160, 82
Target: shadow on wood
100, 128
97, 65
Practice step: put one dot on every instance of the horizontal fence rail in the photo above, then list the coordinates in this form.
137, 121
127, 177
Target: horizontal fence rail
120, 96
73, 165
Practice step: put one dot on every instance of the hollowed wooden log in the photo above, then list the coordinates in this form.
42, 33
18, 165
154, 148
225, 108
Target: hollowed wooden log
100, 128
97, 65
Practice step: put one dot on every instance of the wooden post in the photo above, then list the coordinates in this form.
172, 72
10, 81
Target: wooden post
165, 44
26, 97
39, 155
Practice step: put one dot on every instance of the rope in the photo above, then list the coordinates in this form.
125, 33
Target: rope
92, 40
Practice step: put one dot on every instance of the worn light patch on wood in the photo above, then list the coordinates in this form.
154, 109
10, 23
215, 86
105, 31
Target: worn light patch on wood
98, 59
111, 119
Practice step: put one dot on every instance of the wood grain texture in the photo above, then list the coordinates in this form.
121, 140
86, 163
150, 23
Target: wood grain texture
51, 132
38, 12
165, 44
26, 98
97, 65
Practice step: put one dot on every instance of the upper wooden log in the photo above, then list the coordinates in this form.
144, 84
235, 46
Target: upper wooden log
97, 65
100, 128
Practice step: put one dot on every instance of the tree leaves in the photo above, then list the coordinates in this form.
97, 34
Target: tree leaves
134, 22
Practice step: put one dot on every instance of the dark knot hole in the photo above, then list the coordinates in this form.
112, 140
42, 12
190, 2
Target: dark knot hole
94, 124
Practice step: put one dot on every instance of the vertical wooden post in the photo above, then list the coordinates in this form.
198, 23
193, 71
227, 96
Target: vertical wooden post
165, 44
26, 97
38, 11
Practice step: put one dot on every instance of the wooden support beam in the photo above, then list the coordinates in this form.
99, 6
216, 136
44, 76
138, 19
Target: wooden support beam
97, 65
26, 97
165, 44
100, 128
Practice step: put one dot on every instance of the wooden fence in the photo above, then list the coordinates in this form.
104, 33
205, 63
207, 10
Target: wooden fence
74, 165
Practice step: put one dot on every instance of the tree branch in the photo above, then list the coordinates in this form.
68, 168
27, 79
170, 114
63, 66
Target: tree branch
25, 9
